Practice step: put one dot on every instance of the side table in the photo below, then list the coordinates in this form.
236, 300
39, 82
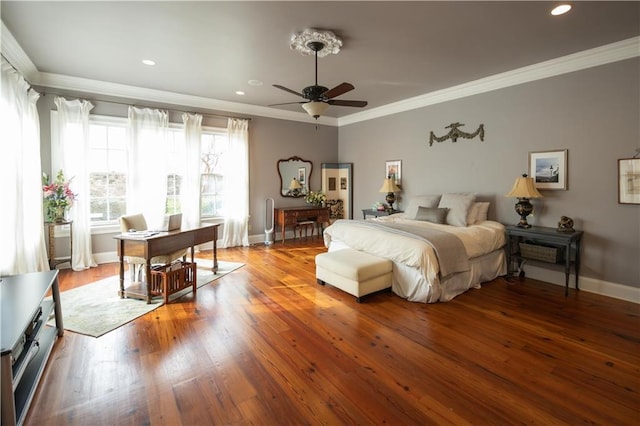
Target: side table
377, 213
53, 260
546, 238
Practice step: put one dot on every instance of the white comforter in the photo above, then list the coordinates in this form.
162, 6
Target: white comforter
478, 240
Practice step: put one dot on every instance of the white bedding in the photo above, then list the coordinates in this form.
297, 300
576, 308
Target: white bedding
416, 275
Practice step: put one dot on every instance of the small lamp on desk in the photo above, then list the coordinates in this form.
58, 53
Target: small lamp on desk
524, 188
295, 187
389, 186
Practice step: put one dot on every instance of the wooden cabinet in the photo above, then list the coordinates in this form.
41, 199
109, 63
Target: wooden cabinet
26, 339
290, 216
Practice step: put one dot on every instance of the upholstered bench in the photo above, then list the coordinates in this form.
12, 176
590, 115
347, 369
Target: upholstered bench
353, 271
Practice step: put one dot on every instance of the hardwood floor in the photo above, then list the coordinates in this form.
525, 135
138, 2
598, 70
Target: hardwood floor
266, 345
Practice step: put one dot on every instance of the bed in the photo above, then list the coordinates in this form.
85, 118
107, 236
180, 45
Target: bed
439, 248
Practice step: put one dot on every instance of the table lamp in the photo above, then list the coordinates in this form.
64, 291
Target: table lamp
524, 188
389, 186
294, 186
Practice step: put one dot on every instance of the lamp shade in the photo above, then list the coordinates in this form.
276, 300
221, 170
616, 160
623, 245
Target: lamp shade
524, 187
389, 186
315, 109
294, 184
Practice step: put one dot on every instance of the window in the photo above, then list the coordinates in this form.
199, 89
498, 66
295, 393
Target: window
108, 170
214, 146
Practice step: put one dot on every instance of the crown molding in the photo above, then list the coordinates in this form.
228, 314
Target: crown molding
618, 51
16, 56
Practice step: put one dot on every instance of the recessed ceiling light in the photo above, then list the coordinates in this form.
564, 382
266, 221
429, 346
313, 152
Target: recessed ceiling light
239, 92
561, 9
255, 83
148, 62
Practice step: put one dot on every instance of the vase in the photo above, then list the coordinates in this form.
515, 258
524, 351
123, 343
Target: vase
58, 214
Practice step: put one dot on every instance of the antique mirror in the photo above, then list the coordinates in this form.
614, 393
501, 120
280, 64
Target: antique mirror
337, 184
294, 175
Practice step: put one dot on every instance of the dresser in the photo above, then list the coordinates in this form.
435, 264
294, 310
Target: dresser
290, 216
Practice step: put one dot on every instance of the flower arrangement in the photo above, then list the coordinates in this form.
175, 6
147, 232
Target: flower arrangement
315, 198
58, 196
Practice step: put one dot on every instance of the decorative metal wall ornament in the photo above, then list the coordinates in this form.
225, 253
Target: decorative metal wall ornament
456, 133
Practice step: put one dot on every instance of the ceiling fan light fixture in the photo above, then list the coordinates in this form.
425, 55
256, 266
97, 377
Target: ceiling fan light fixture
315, 109
331, 43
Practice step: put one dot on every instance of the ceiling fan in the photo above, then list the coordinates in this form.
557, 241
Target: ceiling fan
318, 98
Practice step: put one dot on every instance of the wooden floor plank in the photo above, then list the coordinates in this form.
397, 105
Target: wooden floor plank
267, 345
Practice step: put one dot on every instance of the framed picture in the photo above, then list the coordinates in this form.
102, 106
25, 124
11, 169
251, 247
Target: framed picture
302, 176
629, 181
393, 170
549, 169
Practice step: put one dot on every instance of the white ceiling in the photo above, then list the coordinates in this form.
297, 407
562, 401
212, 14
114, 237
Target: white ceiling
392, 50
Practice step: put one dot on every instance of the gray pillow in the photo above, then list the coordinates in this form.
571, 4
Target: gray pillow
420, 201
435, 215
458, 205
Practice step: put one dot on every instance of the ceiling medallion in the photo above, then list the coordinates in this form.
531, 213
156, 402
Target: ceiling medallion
300, 42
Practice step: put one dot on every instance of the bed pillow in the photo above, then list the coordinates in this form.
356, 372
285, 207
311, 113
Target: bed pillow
482, 212
431, 214
458, 205
477, 212
429, 201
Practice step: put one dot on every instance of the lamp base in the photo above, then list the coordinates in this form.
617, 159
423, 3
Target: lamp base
523, 208
391, 198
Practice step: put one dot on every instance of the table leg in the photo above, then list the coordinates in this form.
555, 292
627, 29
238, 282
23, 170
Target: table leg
577, 261
147, 279
567, 268
121, 292
215, 251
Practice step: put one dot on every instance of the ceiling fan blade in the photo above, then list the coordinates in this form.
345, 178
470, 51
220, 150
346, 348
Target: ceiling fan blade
341, 102
288, 103
338, 90
288, 90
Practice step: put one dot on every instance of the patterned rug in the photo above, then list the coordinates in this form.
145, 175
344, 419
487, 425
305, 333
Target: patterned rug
95, 309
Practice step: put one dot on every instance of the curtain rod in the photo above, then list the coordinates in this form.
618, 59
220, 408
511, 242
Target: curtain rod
16, 70
167, 109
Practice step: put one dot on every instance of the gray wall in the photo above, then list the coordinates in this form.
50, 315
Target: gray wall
269, 141
593, 113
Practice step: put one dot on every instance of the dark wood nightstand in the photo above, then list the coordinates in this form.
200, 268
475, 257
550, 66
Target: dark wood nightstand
545, 246
377, 213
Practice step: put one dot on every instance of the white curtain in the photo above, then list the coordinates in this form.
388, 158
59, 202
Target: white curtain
147, 157
22, 243
236, 185
190, 191
71, 155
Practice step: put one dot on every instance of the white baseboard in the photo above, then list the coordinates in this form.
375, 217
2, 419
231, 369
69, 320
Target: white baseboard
591, 285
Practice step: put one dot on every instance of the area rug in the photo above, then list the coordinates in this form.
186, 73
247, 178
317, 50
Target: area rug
95, 309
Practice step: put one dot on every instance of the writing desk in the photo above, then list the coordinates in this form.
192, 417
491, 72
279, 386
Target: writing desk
290, 216
159, 244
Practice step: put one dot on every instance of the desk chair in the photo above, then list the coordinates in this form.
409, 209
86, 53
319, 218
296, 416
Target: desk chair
138, 222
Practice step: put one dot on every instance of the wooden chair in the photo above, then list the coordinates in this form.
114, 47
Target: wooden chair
136, 264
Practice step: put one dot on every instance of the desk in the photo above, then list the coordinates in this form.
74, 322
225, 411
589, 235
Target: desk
53, 260
159, 244
550, 237
290, 216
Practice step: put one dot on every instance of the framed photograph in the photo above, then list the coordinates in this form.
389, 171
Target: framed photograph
343, 183
393, 170
302, 176
629, 181
332, 184
549, 169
